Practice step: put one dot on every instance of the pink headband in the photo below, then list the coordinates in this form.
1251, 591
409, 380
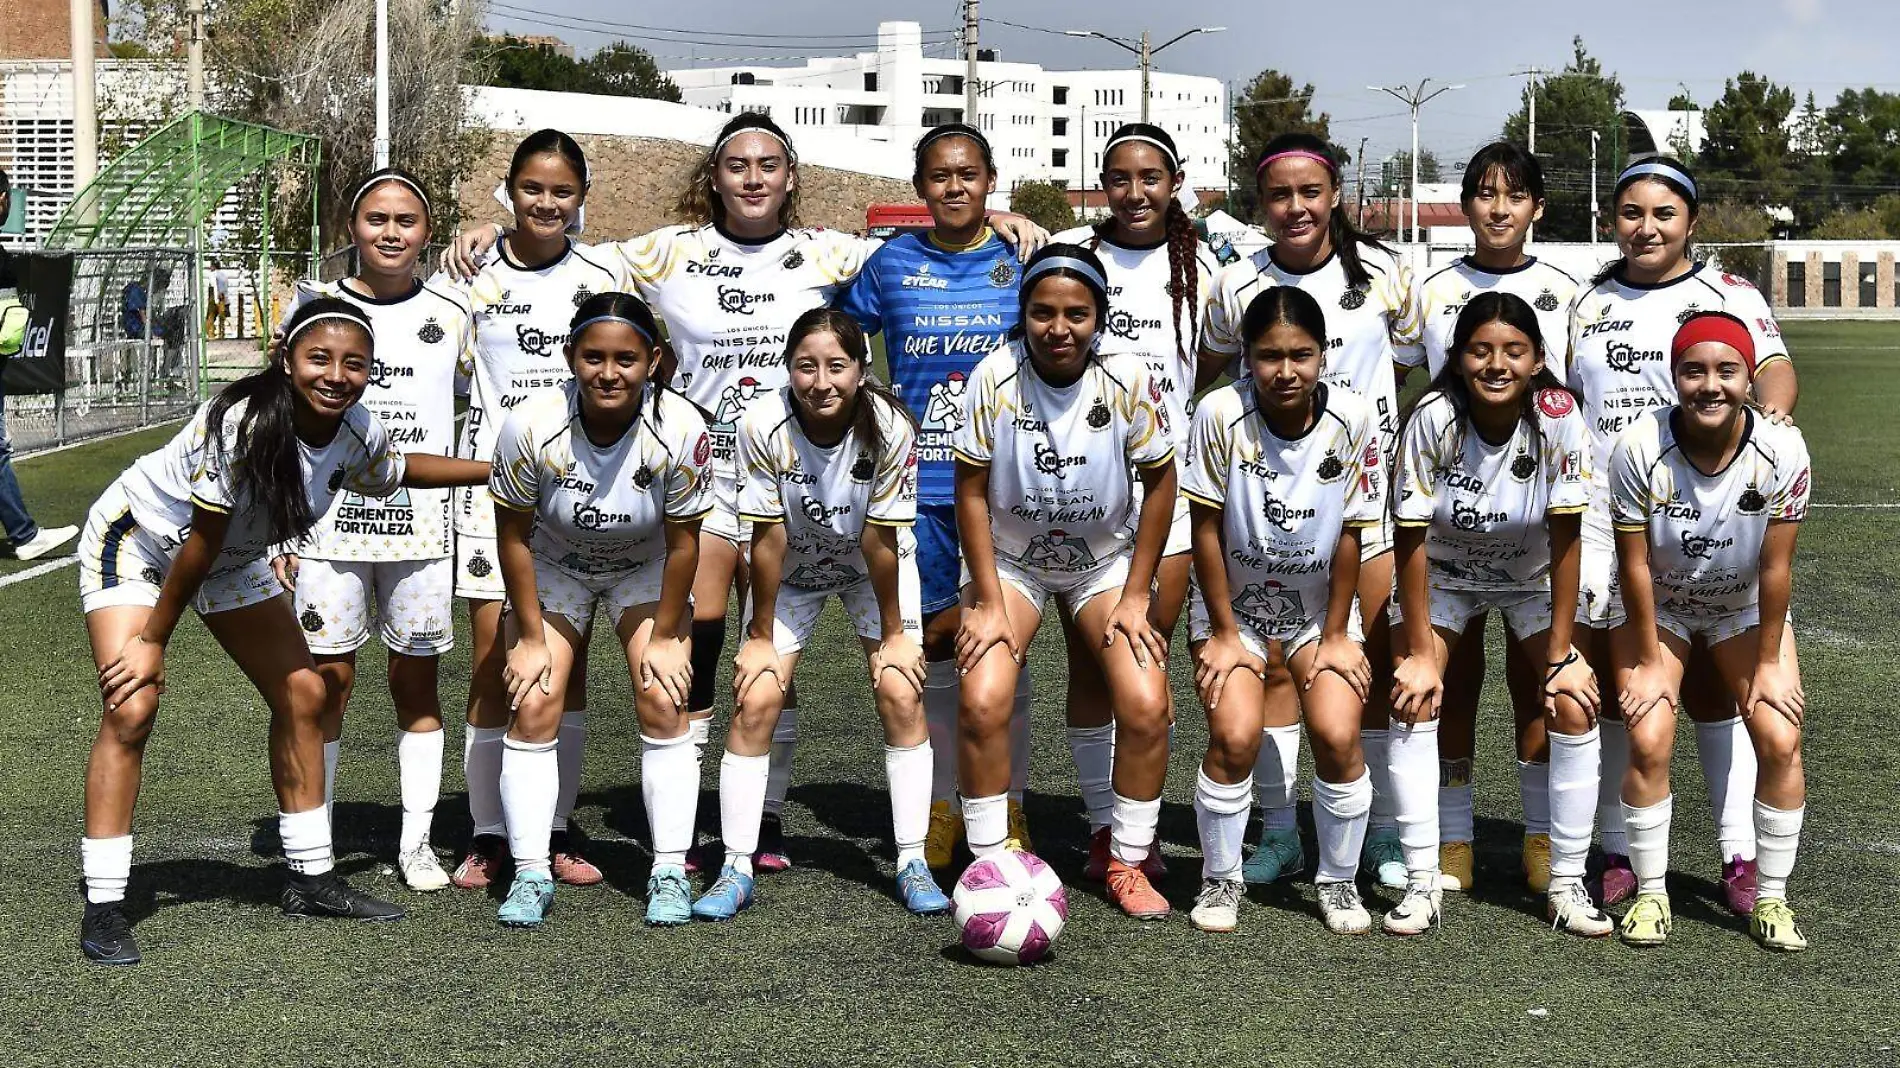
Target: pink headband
1297, 153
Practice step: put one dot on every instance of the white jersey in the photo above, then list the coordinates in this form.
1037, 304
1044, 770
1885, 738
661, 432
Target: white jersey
1144, 317
602, 510
729, 304
522, 316
1705, 531
1060, 457
1283, 502
162, 486
1619, 352
423, 342
825, 495
1547, 289
1485, 506
1368, 328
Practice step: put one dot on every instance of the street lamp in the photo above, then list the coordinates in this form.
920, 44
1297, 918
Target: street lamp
1143, 50
1414, 99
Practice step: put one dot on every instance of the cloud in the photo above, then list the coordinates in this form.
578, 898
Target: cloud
1803, 12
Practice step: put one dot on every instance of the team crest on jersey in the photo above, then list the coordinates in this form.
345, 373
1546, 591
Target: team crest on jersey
1545, 302
1331, 468
793, 260
581, 295
643, 478
152, 575
479, 566
1523, 466
1353, 298
1555, 403
862, 470
1003, 275
1751, 501
1098, 415
310, 620
431, 332
1687, 314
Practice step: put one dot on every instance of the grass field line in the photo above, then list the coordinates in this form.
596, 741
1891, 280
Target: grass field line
37, 570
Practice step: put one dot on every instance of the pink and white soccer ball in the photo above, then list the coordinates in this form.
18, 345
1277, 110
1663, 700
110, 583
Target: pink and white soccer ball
1010, 907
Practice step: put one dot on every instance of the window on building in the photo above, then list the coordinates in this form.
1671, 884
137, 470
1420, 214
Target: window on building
1059, 128
1061, 93
1831, 284
870, 81
1869, 284
1797, 283
1058, 158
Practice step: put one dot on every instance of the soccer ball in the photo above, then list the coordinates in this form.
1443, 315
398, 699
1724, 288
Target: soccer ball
1010, 907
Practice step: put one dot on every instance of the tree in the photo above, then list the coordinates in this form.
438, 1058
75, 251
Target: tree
1742, 226
1570, 104
1864, 126
1746, 154
1395, 174
1852, 224
620, 69
1812, 142
1268, 107
1044, 203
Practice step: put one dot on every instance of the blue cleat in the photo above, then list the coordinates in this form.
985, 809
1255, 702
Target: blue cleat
725, 898
1383, 859
1278, 856
669, 898
919, 891
529, 899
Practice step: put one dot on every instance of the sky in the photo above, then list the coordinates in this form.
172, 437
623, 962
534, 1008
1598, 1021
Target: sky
1657, 49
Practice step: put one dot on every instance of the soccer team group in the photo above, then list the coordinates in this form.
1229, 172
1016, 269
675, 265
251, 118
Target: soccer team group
1610, 464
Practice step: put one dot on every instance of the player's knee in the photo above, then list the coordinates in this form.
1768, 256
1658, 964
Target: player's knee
1142, 721
1232, 741
1566, 718
130, 724
758, 711
538, 719
304, 694
1778, 747
1336, 750
659, 715
984, 709
898, 701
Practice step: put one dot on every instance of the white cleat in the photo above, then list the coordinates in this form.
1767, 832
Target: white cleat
1342, 909
1217, 906
421, 870
1418, 911
1570, 909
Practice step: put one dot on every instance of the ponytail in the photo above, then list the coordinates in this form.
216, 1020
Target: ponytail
1184, 273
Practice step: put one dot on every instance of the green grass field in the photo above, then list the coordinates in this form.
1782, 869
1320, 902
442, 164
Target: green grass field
827, 969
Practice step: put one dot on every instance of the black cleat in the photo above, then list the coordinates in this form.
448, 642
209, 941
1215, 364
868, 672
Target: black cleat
327, 896
105, 935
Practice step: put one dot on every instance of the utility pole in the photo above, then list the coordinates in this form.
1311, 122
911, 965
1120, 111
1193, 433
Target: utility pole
1530, 145
1414, 99
1362, 182
1594, 138
381, 148
1147, 65
195, 53
969, 62
1143, 51
85, 101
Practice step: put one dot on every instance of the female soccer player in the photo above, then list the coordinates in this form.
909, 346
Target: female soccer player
1708, 497
1046, 462
1620, 330
522, 301
1284, 477
830, 469
600, 487
1372, 317
191, 525
1490, 492
1159, 271
391, 560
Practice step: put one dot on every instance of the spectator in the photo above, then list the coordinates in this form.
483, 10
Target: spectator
24, 539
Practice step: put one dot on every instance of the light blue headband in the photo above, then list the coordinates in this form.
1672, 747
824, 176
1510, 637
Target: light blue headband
1080, 267
1661, 170
575, 334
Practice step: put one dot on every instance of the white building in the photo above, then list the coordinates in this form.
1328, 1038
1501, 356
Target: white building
1042, 124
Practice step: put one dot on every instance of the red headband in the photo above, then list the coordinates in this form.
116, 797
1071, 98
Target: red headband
1714, 327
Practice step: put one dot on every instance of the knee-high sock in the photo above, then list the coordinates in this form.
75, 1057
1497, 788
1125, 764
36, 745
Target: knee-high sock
1533, 793
986, 824
1575, 763
1615, 737
1220, 813
1454, 800
907, 772
1778, 830
1376, 745
742, 786
1019, 737
1340, 811
1414, 754
530, 781
481, 766
107, 865
1729, 768
570, 749
1132, 829
1275, 777
941, 693
1093, 749
306, 838
1649, 844
419, 770
669, 780
778, 781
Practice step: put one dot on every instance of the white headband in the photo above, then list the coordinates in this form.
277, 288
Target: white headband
721, 145
375, 180
320, 317
1081, 267
1173, 160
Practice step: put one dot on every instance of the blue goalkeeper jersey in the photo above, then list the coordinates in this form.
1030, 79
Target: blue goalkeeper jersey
940, 310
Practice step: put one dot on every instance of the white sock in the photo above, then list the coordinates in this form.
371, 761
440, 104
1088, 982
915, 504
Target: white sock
742, 786
1615, 737
1649, 844
107, 864
986, 824
1093, 749
1019, 739
1132, 833
1414, 754
331, 751
481, 767
1571, 791
669, 780
778, 782
306, 837
530, 782
1339, 821
1376, 747
1275, 777
1454, 801
570, 749
1729, 768
419, 769
1533, 793
907, 771
1778, 830
699, 731
941, 692
1220, 812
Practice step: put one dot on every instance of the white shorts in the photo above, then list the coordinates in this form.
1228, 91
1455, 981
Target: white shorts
1714, 629
1599, 593
1525, 613
413, 599
122, 564
574, 597
1375, 539
1180, 529
724, 519
1071, 589
478, 568
795, 613
1255, 636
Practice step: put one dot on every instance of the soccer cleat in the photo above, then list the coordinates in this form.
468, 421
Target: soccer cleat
771, 855
529, 900
567, 864
421, 871
1130, 890
1097, 867
44, 542
1217, 906
1537, 863
1738, 885
1418, 911
1019, 828
725, 898
1340, 906
1570, 909
919, 891
1772, 924
946, 831
486, 861
1278, 856
105, 935
706, 856
1456, 866
1619, 879
1648, 920
669, 899
328, 897
1382, 858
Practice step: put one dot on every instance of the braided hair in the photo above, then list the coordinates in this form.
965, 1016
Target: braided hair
1184, 265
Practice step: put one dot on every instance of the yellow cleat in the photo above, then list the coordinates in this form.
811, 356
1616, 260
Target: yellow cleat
1019, 829
946, 830
1772, 924
1537, 863
1455, 866
1648, 920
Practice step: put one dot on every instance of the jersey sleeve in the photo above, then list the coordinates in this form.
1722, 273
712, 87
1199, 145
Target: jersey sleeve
1150, 441
863, 300
1405, 316
647, 259
1745, 302
1210, 452
1365, 482
894, 485
1567, 462
1220, 321
378, 471
689, 481
1631, 495
514, 477
841, 257
974, 440
1793, 475
1416, 355
1421, 455
759, 497
211, 486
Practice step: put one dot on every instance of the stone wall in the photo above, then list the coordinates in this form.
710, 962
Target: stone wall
636, 181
